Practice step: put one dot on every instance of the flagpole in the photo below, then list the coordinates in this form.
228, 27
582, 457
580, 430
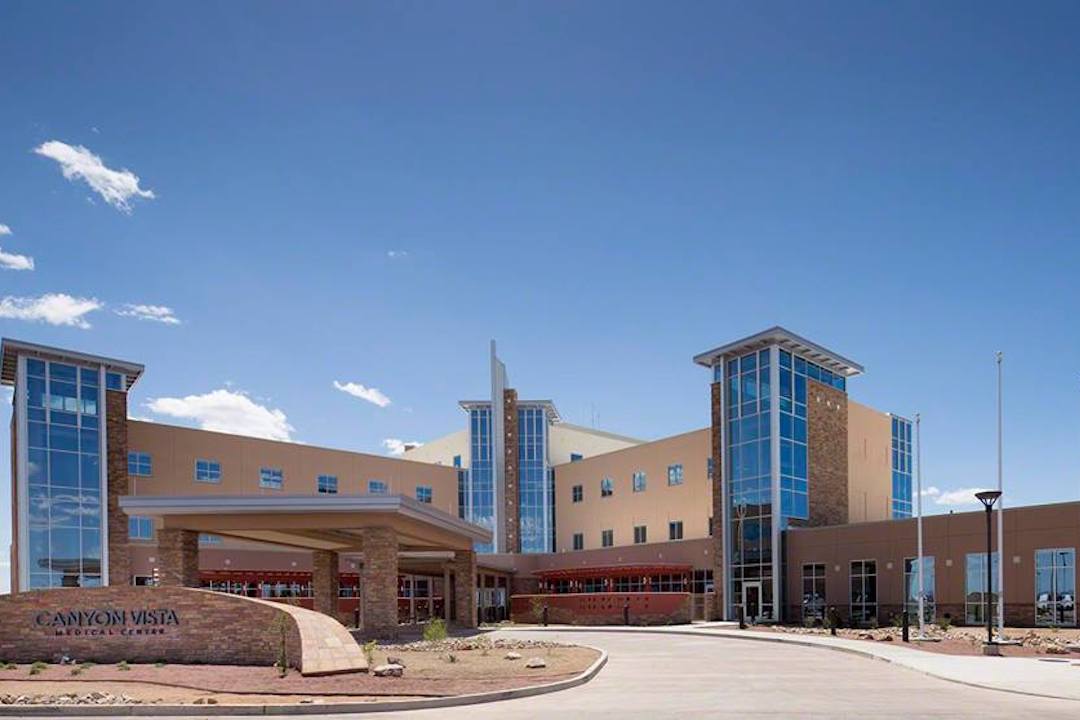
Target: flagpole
918, 505
1001, 510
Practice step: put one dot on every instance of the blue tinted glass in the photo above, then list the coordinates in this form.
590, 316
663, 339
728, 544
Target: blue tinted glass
35, 392
800, 389
839, 383
63, 469
60, 371
785, 425
90, 471
36, 414
748, 363
785, 359
89, 421
763, 358
88, 441
813, 372
37, 466
62, 437
63, 418
800, 366
800, 430
35, 367
88, 376
114, 381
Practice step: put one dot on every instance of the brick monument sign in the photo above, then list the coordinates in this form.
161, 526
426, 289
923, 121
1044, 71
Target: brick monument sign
172, 624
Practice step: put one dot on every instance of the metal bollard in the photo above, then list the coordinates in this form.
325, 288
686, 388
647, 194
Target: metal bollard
742, 618
905, 627
545, 615
626, 612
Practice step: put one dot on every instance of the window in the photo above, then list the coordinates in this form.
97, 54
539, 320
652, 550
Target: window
209, 539
578, 493
813, 591
641, 534
911, 583
271, 478
423, 493
674, 530
863, 591
1055, 586
457, 461
139, 464
576, 457
709, 468
579, 541
114, 381
326, 484
140, 528
207, 471
639, 481
674, 475
975, 589
377, 487
607, 487
607, 538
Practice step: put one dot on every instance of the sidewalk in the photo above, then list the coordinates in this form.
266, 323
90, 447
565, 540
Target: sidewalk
1054, 677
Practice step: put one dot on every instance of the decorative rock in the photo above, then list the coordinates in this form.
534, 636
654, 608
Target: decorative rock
391, 660
535, 663
513, 655
389, 670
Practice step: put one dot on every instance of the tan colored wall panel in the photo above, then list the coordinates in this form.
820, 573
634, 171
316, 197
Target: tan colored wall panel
869, 463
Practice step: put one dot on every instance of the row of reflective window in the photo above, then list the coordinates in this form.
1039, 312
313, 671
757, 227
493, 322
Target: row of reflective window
638, 483
641, 535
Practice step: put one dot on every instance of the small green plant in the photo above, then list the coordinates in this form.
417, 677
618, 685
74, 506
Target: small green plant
944, 622
123, 666
38, 666
451, 658
86, 665
8, 665
159, 664
369, 652
76, 670
435, 630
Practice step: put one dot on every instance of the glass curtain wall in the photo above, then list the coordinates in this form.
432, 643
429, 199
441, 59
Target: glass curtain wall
975, 589
534, 497
911, 588
901, 468
480, 494
64, 474
794, 498
1055, 587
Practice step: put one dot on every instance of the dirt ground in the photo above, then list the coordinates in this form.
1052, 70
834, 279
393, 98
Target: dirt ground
959, 640
427, 674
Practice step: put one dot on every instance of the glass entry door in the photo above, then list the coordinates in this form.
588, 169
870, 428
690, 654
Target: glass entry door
752, 600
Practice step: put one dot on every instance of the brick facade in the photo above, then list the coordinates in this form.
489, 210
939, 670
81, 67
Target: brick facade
325, 578
378, 582
602, 608
511, 507
464, 565
827, 454
718, 501
117, 478
178, 557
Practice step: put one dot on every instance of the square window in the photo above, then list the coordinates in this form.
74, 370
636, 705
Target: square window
423, 493
607, 487
327, 484
578, 493
607, 538
139, 464
675, 531
271, 478
207, 471
377, 487
579, 541
641, 534
140, 528
675, 474
639, 481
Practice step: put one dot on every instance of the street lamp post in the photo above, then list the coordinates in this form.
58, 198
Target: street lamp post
988, 498
918, 501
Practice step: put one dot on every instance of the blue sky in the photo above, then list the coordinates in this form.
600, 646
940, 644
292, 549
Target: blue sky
368, 193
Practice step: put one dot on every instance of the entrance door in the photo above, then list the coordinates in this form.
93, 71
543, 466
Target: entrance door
752, 600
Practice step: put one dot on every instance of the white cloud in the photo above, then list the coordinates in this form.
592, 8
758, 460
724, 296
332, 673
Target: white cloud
11, 261
4, 229
51, 308
372, 395
226, 411
397, 254
116, 187
960, 496
156, 313
396, 446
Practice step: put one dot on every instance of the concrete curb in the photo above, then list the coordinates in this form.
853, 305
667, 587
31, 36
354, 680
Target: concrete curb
313, 709
869, 654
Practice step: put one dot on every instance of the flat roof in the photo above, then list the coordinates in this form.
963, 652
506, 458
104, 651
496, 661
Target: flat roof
788, 340
548, 405
11, 349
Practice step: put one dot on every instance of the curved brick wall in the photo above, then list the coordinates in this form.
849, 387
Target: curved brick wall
174, 624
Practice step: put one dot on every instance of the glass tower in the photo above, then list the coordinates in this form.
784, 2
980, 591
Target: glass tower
479, 493
901, 467
535, 495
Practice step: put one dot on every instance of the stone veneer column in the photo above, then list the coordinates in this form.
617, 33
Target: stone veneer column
465, 587
446, 593
116, 474
378, 582
324, 582
178, 557
826, 454
719, 523
511, 508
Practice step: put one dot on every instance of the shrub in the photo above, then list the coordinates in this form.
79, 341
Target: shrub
8, 665
123, 665
369, 652
38, 666
86, 665
159, 664
76, 670
435, 630
451, 658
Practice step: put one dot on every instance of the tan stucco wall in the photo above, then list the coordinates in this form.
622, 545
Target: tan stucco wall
869, 463
658, 505
174, 450
566, 438
442, 450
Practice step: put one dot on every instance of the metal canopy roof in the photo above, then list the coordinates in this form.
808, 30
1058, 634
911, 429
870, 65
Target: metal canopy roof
788, 340
11, 349
548, 405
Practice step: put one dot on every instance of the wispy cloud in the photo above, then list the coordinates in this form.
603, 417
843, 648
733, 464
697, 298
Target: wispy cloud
952, 498
4, 229
397, 254
372, 395
12, 261
226, 411
396, 446
154, 313
116, 187
51, 308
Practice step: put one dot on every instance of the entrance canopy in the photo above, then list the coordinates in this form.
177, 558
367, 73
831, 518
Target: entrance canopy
312, 522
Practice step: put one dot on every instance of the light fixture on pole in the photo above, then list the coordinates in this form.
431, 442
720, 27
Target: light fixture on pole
988, 498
